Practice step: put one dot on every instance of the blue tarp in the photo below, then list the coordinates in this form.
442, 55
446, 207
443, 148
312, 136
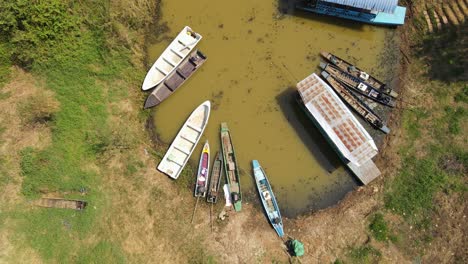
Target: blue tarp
387, 6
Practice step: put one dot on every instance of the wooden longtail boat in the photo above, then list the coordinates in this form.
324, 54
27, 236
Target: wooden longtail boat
356, 72
61, 203
175, 79
201, 184
268, 198
215, 179
360, 107
185, 142
357, 85
171, 58
230, 167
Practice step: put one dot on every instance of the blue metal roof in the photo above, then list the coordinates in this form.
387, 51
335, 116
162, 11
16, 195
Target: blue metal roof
387, 6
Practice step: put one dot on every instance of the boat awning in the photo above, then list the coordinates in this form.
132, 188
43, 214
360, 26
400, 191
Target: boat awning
337, 121
386, 6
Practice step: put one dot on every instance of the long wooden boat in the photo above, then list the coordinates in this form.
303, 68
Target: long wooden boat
171, 58
360, 107
268, 198
215, 179
230, 167
357, 85
61, 203
175, 79
356, 72
201, 183
185, 142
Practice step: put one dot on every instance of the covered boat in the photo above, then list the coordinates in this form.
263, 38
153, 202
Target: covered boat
185, 142
175, 79
357, 85
356, 72
230, 167
379, 12
62, 203
341, 129
268, 198
171, 58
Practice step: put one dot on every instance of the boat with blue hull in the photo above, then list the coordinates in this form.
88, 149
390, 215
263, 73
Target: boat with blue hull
378, 12
268, 198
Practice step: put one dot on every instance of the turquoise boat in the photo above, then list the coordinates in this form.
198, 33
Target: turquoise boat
268, 198
230, 167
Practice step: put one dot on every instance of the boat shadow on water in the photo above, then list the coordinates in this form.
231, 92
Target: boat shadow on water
307, 132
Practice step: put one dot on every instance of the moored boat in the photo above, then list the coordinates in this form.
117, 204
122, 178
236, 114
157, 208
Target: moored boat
356, 72
268, 198
185, 142
360, 107
171, 58
230, 167
175, 79
357, 85
201, 183
342, 130
215, 179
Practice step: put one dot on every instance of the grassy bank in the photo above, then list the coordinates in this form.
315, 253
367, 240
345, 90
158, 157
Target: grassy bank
78, 51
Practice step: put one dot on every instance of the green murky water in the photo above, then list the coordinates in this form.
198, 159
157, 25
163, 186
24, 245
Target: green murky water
255, 58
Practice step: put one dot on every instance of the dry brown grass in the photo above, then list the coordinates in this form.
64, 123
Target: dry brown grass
14, 138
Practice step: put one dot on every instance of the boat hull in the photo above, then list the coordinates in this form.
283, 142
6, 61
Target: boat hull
215, 179
230, 167
176, 79
268, 198
360, 107
357, 85
185, 142
171, 58
201, 182
358, 73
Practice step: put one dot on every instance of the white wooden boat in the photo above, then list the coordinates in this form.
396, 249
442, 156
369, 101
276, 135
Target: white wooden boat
185, 142
171, 58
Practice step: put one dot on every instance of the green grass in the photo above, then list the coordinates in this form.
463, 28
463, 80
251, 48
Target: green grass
380, 230
77, 67
364, 254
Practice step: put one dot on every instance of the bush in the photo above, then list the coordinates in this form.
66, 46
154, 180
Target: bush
35, 27
39, 108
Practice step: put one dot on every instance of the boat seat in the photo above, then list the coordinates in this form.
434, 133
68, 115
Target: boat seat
161, 70
177, 53
194, 128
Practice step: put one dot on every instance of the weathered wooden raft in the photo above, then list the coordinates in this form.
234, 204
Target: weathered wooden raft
357, 85
360, 107
356, 72
61, 203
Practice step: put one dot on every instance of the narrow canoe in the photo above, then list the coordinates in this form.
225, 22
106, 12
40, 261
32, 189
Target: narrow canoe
357, 85
201, 183
61, 203
230, 167
175, 79
356, 72
185, 142
268, 198
171, 58
215, 179
360, 107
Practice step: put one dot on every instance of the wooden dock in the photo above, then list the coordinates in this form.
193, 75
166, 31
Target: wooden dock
348, 137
